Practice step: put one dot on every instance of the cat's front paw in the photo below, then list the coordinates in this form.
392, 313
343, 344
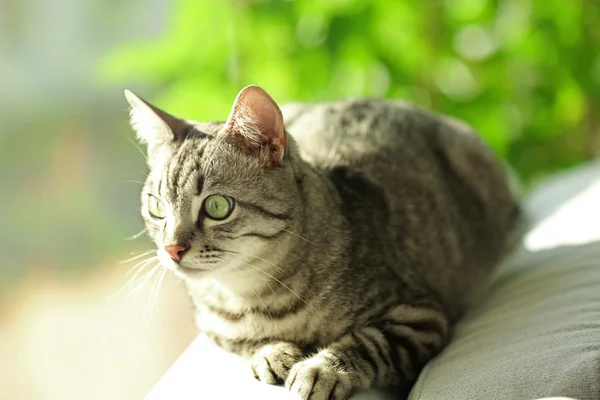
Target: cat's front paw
272, 363
318, 379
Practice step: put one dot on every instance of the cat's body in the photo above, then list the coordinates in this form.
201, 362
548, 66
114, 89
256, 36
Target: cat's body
353, 246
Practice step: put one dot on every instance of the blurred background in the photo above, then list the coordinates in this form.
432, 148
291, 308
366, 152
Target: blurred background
524, 73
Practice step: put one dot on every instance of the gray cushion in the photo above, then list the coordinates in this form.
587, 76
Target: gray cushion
537, 334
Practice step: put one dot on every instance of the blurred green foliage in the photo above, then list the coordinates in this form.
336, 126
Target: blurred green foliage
524, 73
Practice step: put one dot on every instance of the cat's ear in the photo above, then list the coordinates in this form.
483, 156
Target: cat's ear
256, 125
152, 125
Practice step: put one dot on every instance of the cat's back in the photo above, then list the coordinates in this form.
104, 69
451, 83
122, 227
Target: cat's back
369, 133
390, 141
393, 142
442, 193
349, 130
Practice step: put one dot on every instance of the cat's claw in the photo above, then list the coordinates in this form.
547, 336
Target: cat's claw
317, 379
272, 363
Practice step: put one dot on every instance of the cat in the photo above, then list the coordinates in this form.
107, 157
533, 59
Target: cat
333, 245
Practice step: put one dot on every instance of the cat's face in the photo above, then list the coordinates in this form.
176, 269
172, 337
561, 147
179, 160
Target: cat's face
219, 197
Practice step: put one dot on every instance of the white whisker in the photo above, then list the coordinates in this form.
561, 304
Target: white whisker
300, 237
138, 268
138, 147
145, 253
148, 305
254, 322
152, 304
135, 253
143, 280
137, 235
134, 282
267, 283
263, 303
260, 258
277, 280
265, 260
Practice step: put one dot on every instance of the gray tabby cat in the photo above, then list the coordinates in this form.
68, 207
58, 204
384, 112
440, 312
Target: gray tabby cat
333, 247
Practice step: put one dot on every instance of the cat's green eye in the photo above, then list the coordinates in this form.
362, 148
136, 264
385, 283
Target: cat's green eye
218, 207
156, 207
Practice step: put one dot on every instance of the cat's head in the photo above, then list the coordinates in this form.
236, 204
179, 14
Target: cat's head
219, 197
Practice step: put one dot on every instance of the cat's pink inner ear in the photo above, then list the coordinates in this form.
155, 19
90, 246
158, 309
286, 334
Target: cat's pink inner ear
256, 117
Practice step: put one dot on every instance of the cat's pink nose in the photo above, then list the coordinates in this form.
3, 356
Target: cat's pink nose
175, 251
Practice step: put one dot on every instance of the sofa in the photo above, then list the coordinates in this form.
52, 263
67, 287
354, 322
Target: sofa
534, 333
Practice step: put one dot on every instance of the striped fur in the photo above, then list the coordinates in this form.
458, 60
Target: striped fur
354, 242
